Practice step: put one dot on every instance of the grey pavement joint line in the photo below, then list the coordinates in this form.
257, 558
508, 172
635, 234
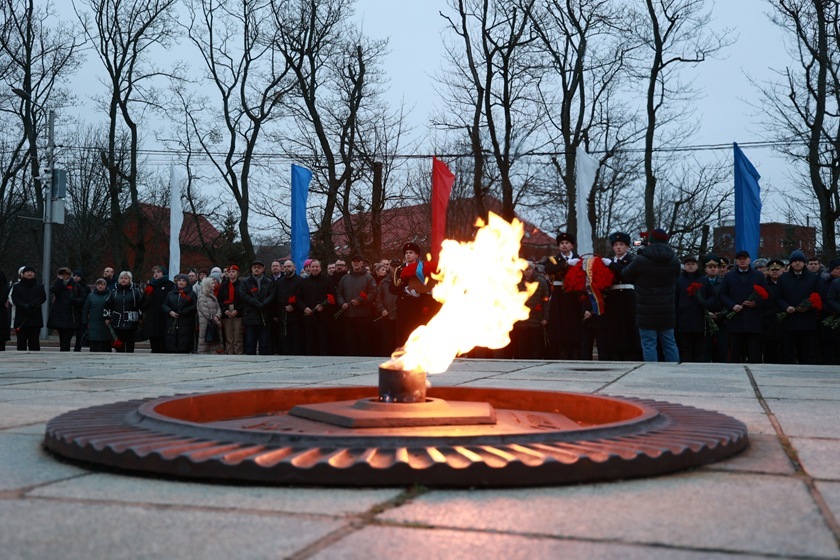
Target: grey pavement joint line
790, 451
617, 379
358, 523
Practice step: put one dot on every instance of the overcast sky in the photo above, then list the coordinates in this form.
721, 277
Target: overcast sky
414, 27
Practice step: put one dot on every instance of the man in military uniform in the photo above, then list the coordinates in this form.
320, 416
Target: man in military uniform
717, 343
771, 334
415, 305
565, 316
289, 317
623, 342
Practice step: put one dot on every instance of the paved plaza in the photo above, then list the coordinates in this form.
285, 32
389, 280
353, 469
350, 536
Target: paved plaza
778, 499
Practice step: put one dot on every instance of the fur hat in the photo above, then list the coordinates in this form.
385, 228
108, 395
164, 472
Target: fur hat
566, 236
411, 246
619, 236
659, 235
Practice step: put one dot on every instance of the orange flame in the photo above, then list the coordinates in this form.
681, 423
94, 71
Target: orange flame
478, 285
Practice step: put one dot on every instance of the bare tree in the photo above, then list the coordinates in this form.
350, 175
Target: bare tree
35, 59
804, 105
674, 34
588, 50
235, 39
124, 35
492, 93
336, 73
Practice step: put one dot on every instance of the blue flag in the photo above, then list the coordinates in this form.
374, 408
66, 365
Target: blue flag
747, 205
301, 177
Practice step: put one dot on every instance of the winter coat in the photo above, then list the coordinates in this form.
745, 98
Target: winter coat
537, 303
63, 313
256, 301
207, 309
385, 300
228, 296
653, 272
93, 316
284, 289
737, 288
125, 305
154, 318
795, 288
351, 287
27, 297
314, 291
180, 331
691, 309
832, 299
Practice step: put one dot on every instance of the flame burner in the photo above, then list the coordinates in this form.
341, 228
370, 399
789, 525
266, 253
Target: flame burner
454, 436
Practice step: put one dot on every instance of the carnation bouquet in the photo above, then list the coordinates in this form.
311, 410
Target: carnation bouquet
814, 301
694, 290
758, 293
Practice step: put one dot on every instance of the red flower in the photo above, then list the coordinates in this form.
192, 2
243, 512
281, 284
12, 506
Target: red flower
330, 299
363, 294
254, 290
761, 292
118, 343
575, 279
694, 288
538, 308
149, 290
816, 301
69, 287
292, 300
408, 271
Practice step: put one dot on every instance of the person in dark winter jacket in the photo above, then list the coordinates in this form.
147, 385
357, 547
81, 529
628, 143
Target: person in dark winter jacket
736, 295
28, 295
800, 326
124, 305
355, 296
257, 294
93, 318
79, 298
231, 305
63, 310
653, 272
692, 294
565, 323
385, 324
830, 338
4, 311
180, 309
154, 318
316, 290
622, 335
771, 329
528, 336
290, 319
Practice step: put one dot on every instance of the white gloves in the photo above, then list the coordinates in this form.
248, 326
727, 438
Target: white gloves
606, 261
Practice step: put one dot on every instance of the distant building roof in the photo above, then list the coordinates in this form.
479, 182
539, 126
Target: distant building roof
413, 223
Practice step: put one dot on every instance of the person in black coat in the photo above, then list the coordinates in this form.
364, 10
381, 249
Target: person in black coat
623, 343
179, 305
692, 294
80, 295
829, 338
654, 272
316, 291
4, 311
93, 318
771, 327
287, 290
154, 317
799, 327
565, 316
125, 306
257, 294
63, 315
28, 295
736, 295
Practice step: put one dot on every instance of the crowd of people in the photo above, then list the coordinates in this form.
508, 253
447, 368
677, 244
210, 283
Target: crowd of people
649, 305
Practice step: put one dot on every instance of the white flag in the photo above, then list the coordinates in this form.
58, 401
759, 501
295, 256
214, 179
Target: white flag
586, 167
176, 219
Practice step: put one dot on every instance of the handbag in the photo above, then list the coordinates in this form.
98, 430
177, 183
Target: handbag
211, 333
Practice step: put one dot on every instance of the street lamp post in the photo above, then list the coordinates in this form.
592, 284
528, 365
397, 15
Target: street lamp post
48, 221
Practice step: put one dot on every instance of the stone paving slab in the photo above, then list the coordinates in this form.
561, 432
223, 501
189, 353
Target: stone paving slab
115, 488
756, 505
413, 544
755, 514
53, 529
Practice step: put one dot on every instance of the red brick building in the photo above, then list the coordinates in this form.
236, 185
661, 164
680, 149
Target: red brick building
413, 223
197, 233
776, 240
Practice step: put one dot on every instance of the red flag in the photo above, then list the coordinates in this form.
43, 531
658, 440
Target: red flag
442, 181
